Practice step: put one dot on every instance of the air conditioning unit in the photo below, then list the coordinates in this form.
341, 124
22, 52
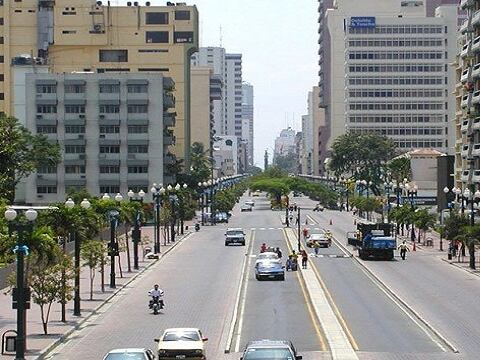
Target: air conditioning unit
81, 136
98, 28
81, 116
102, 136
81, 156
82, 176
40, 196
101, 116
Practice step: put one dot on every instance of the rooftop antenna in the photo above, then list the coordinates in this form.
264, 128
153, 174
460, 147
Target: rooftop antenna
221, 37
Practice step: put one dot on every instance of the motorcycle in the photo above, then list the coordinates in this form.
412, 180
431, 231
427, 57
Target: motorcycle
156, 304
197, 227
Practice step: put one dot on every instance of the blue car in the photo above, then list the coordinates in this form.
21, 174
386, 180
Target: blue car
269, 269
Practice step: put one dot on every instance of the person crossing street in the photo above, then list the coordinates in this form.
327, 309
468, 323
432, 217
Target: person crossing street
403, 249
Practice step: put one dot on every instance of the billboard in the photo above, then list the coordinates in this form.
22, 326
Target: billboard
362, 22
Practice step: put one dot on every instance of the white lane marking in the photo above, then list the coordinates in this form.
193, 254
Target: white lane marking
271, 228
338, 342
244, 297
262, 229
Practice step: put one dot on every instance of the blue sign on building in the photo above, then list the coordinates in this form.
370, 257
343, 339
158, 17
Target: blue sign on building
362, 22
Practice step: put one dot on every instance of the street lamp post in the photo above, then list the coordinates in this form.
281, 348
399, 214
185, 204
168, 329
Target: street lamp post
21, 294
388, 188
173, 201
182, 212
113, 216
69, 204
412, 193
157, 193
298, 229
136, 232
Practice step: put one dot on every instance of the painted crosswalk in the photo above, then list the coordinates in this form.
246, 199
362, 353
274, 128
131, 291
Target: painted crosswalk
281, 228
330, 255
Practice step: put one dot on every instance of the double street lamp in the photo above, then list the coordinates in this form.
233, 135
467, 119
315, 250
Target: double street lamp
412, 191
70, 204
471, 198
157, 192
136, 232
114, 217
21, 294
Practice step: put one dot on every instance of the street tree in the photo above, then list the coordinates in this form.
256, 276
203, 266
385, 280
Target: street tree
93, 253
400, 168
424, 221
275, 187
21, 153
287, 162
362, 156
469, 236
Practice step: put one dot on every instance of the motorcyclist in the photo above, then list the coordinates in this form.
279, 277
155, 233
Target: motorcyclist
156, 293
263, 248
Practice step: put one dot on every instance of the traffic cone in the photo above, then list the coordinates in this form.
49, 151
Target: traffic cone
331, 222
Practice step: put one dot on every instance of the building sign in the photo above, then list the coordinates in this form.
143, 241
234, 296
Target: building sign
421, 200
362, 22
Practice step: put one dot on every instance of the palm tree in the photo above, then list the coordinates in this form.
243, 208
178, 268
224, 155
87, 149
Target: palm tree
424, 221
469, 236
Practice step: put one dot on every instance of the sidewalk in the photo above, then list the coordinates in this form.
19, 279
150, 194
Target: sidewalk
37, 343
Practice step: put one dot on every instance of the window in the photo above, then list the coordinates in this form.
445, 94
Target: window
75, 89
46, 129
74, 149
109, 109
180, 37
137, 109
113, 55
154, 69
46, 89
110, 169
1, 21
137, 88
111, 189
109, 129
46, 109
1, 59
109, 88
75, 129
137, 149
74, 169
46, 189
137, 129
138, 169
47, 169
153, 50
1, 77
156, 18
156, 37
69, 31
75, 109
182, 15
109, 149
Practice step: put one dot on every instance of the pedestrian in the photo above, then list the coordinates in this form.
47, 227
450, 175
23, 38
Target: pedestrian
263, 248
279, 252
304, 259
316, 247
403, 249
297, 220
305, 233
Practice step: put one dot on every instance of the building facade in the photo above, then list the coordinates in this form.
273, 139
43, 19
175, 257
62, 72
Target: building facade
201, 105
84, 35
285, 143
113, 131
247, 118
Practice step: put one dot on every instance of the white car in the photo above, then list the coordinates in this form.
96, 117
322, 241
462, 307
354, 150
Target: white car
181, 343
151, 256
250, 203
271, 256
130, 354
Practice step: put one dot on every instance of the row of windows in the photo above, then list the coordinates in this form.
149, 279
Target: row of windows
395, 42
396, 106
103, 88
163, 37
397, 80
396, 93
395, 68
110, 189
104, 129
103, 109
397, 118
103, 169
404, 131
389, 55
398, 29
161, 18
107, 149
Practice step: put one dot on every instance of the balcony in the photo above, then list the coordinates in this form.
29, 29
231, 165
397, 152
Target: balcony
464, 103
168, 119
168, 137
464, 126
169, 159
168, 101
464, 51
476, 150
464, 176
476, 123
476, 176
464, 4
476, 44
464, 151
465, 75
476, 97
475, 19
464, 27
476, 71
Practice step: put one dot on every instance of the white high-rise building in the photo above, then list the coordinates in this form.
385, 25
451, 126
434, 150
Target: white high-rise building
396, 80
247, 119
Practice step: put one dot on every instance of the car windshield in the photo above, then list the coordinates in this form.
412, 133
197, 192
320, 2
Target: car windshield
126, 356
235, 232
267, 256
268, 354
181, 336
269, 264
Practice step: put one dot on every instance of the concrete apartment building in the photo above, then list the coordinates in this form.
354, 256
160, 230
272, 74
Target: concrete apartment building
113, 130
314, 137
396, 79
285, 143
84, 35
247, 119
467, 154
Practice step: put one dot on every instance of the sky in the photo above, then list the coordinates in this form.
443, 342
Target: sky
279, 43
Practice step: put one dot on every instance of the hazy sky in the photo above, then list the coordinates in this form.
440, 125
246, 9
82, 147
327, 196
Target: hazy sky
278, 40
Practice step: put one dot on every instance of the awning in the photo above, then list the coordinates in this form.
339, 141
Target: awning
109, 82
73, 121
74, 161
46, 122
108, 142
137, 162
107, 182
137, 121
109, 162
137, 101
75, 182
46, 182
137, 142
109, 121
75, 142
139, 182
45, 82
41, 101
74, 82
109, 101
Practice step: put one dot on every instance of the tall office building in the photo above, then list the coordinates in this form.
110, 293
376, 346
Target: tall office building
113, 131
396, 79
84, 35
233, 102
247, 116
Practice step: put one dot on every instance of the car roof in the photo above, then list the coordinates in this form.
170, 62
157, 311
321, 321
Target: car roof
268, 253
280, 343
318, 236
234, 229
127, 350
181, 329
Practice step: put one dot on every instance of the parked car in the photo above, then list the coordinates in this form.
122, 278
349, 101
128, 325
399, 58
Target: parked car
250, 202
269, 269
321, 239
235, 236
270, 349
246, 207
130, 354
181, 343
151, 256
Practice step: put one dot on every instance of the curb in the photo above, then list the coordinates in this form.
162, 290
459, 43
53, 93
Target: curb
234, 320
65, 335
476, 273
397, 298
